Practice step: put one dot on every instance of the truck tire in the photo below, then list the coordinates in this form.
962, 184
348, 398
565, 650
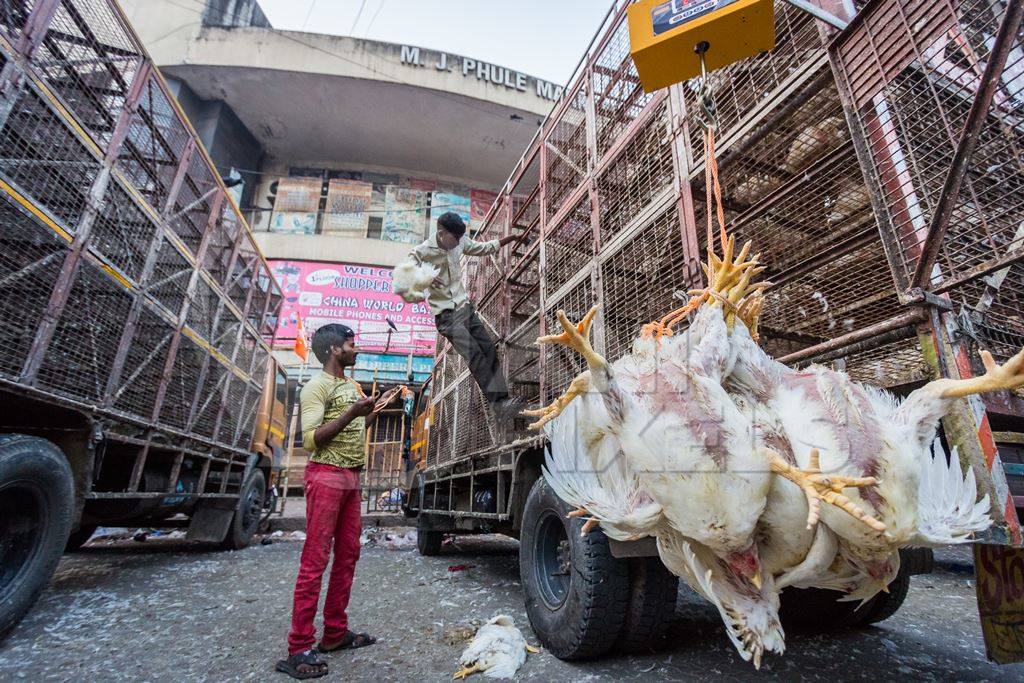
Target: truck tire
652, 601
247, 512
79, 537
37, 500
884, 605
576, 591
816, 609
428, 541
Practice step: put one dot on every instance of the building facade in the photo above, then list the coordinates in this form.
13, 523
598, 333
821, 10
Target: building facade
343, 152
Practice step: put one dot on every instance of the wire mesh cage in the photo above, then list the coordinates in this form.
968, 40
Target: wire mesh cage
107, 197
168, 283
641, 279
81, 354
147, 357
384, 465
566, 147
635, 176
894, 364
14, 16
568, 246
618, 96
205, 418
522, 365
123, 233
192, 210
30, 262
152, 150
90, 59
43, 158
562, 364
912, 97
741, 88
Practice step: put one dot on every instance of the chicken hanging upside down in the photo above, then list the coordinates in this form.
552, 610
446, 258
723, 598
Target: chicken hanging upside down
752, 476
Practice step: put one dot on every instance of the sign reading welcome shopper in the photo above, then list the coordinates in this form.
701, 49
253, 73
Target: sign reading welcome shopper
361, 297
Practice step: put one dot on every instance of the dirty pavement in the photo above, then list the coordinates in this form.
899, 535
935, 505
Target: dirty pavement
165, 610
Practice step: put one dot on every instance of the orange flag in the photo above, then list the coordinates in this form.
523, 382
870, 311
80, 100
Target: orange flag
301, 350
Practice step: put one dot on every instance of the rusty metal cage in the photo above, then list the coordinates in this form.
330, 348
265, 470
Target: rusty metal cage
938, 105
382, 476
133, 289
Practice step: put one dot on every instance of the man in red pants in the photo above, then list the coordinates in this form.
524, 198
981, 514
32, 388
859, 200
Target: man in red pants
333, 414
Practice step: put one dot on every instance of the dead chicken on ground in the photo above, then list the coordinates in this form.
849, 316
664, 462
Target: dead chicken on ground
497, 650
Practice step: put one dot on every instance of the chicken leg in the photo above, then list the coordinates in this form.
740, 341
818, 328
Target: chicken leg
576, 337
579, 386
589, 524
1009, 375
728, 282
821, 487
465, 671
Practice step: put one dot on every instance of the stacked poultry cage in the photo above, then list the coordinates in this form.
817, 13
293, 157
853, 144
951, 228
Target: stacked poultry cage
131, 284
612, 194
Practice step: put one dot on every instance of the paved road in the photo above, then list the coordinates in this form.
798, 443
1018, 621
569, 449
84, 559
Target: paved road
164, 611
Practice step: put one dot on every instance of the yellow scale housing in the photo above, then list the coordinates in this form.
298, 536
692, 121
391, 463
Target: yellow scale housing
664, 34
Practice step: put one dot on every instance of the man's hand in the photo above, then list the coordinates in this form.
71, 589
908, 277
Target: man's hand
515, 237
327, 431
386, 398
363, 406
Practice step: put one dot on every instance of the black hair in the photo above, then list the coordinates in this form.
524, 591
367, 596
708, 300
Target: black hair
453, 223
330, 335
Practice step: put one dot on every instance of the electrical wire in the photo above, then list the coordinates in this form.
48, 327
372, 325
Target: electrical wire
366, 31
309, 13
352, 30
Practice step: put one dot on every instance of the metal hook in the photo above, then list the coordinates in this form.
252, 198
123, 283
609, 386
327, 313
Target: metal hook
707, 100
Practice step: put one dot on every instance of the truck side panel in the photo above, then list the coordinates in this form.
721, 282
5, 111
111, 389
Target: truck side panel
133, 290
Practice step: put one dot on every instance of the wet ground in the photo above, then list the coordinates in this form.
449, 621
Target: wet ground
165, 611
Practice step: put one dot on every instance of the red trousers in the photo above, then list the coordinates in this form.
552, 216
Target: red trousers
333, 502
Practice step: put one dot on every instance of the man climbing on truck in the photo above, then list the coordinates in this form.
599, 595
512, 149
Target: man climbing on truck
334, 414
454, 314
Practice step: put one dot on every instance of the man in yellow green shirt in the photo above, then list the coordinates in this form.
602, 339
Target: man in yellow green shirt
334, 415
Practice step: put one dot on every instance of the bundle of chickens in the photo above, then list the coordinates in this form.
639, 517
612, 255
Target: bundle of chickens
752, 476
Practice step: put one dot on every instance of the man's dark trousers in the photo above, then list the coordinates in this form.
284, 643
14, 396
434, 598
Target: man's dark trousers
464, 329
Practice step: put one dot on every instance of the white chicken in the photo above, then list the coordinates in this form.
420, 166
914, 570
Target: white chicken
498, 650
411, 281
726, 456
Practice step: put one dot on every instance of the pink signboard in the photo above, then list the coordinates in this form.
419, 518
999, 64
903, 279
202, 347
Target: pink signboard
358, 296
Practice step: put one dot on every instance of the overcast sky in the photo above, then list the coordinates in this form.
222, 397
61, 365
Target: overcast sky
543, 38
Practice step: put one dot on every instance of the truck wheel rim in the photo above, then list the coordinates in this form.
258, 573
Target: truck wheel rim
251, 508
22, 527
554, 560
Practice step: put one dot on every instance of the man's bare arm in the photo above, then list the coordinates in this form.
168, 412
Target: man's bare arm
327, 431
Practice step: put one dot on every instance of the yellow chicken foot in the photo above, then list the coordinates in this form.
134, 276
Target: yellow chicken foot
576, 337
821, 487
465, 671
578, 387
747, 309
1009, 375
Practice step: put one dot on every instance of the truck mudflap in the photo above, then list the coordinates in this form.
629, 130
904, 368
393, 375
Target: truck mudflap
999, 573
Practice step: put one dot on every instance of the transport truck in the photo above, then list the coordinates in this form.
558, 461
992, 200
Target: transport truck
880, 180
137, 386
